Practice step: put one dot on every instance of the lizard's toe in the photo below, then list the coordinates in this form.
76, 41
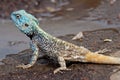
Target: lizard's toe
59, 69
24, 66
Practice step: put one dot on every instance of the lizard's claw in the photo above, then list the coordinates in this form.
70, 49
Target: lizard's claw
24, 66
59, 69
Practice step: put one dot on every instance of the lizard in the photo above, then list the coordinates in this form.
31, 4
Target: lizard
57, 49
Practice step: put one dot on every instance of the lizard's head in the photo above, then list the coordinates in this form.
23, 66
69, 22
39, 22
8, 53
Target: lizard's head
24, 21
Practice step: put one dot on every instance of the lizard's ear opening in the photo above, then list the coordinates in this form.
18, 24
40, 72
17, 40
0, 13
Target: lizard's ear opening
26, 25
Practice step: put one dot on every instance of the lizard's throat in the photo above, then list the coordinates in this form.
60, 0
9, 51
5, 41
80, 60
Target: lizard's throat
38, 32
31, 35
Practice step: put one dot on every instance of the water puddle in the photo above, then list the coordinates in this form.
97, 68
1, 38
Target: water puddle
73, 10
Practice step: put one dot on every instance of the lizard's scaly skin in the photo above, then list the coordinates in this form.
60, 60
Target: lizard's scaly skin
55, 48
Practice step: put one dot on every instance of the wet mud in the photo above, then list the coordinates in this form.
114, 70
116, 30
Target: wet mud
43, 69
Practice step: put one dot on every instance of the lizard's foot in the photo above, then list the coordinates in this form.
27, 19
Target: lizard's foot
59, 69
103, 51
24, 66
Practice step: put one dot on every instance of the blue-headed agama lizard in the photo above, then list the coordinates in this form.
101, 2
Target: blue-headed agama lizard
57, 49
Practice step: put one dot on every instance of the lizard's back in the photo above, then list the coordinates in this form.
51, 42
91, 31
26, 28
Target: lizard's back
55, 47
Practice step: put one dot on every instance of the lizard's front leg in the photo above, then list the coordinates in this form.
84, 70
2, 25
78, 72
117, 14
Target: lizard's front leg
34, 57
62, 63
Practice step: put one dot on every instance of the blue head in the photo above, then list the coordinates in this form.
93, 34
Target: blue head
24, 21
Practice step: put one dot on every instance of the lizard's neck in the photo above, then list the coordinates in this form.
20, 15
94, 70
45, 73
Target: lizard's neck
38, 32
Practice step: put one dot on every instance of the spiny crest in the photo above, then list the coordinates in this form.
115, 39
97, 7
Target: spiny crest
24, 21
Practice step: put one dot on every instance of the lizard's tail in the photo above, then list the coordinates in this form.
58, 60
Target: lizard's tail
99, 58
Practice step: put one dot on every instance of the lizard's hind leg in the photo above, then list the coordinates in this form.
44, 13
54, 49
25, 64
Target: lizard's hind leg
62, 65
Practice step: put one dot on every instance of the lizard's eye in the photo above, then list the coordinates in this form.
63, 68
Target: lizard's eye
26, 25
18, 16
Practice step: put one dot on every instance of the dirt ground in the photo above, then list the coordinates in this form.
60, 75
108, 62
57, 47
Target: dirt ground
68, 16
43, 70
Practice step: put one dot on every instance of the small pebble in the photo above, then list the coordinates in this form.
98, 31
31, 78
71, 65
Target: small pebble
107, 40
78, 36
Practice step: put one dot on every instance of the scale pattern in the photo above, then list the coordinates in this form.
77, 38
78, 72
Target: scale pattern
53, 47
